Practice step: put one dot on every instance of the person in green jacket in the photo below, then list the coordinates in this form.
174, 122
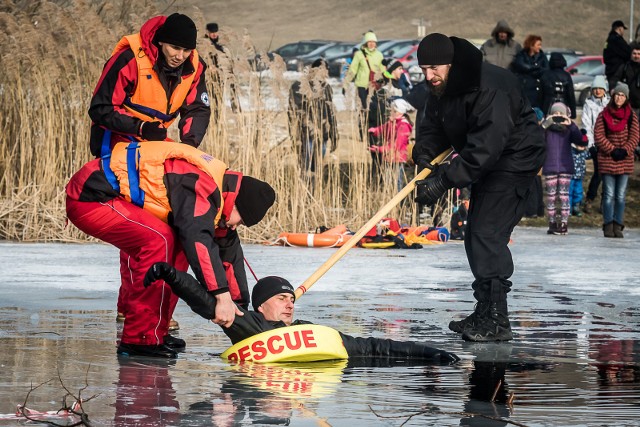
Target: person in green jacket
366, 68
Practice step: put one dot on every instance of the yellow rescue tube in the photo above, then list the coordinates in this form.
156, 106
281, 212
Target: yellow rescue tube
299, 343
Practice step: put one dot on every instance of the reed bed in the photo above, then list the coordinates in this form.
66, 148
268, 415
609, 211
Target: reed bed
47, 82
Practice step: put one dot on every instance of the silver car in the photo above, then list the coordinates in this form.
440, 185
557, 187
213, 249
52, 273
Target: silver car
582, 83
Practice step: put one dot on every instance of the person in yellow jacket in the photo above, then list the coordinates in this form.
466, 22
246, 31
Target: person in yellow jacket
366, 68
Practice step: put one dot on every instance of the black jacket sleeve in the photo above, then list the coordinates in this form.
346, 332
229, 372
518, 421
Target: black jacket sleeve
188, 187
195, 111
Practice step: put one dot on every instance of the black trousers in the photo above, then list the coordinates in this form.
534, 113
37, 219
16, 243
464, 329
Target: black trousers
496, 206
594, 183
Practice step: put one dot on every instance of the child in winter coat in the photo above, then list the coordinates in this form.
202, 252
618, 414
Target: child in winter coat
580, 154
560, 133
395, 135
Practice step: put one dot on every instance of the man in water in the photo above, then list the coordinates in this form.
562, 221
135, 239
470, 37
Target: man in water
273, 301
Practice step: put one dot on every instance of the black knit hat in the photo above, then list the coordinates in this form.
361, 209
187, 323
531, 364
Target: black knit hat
254, 199
212, 27
268, 287
393, 66
178, 30
435, 49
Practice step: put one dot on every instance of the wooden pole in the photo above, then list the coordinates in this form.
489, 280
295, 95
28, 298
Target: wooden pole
365, 228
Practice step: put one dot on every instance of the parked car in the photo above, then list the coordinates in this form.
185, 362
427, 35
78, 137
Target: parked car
584, 64
291, 50
407, 54
326, 51
582, 83
392, 48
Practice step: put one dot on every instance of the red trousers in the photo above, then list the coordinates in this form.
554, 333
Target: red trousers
143, 240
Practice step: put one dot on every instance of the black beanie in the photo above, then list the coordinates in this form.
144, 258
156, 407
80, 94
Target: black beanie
178, 30
254, 199
393, 66
268, 287
435, 49
212, 27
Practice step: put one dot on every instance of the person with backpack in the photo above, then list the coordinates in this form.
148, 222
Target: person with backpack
557, 85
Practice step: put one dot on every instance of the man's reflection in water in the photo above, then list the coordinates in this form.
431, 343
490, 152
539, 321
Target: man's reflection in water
488, 395
145, 394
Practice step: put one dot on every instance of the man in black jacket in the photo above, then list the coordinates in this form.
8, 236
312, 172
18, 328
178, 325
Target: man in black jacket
272, 299
479, 109
629, 73
616, 51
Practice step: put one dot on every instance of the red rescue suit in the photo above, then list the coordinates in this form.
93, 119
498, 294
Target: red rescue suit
183, 197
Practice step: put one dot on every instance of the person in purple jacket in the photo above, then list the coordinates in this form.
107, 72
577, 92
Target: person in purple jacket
560, 133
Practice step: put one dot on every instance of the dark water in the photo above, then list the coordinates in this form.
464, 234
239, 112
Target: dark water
574, 360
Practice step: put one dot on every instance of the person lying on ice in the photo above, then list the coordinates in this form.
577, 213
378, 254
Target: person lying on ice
273, 301
178, 201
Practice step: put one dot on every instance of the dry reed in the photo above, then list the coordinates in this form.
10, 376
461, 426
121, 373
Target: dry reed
47, 81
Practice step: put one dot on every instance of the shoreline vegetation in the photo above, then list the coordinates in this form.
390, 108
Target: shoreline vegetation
45, 127
47, 85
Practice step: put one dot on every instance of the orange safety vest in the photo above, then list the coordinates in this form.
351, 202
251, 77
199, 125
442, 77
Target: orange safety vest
149, 100
143, 184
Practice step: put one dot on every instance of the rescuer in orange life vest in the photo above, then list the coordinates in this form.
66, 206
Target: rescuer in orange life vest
176, 201
151, 78
272, 299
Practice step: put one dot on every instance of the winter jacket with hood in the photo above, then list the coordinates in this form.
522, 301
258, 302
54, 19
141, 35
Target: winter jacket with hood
364, 61
119, 80
557, 85
484, 117
590, 110
497, 52
559, 139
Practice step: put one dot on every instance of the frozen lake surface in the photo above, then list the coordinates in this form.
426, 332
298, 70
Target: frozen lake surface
574, 360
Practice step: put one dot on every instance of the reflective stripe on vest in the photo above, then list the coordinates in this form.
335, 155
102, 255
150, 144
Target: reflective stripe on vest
149, 99
139, 168
137, 195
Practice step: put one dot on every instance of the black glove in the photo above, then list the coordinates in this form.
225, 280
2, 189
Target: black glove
618, 154
152, 131
593, 151
423, 161
432, 188
159, 271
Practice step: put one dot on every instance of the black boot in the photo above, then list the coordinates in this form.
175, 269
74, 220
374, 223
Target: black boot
174, 342
492, 326
553, 227
459, 326
133, 350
